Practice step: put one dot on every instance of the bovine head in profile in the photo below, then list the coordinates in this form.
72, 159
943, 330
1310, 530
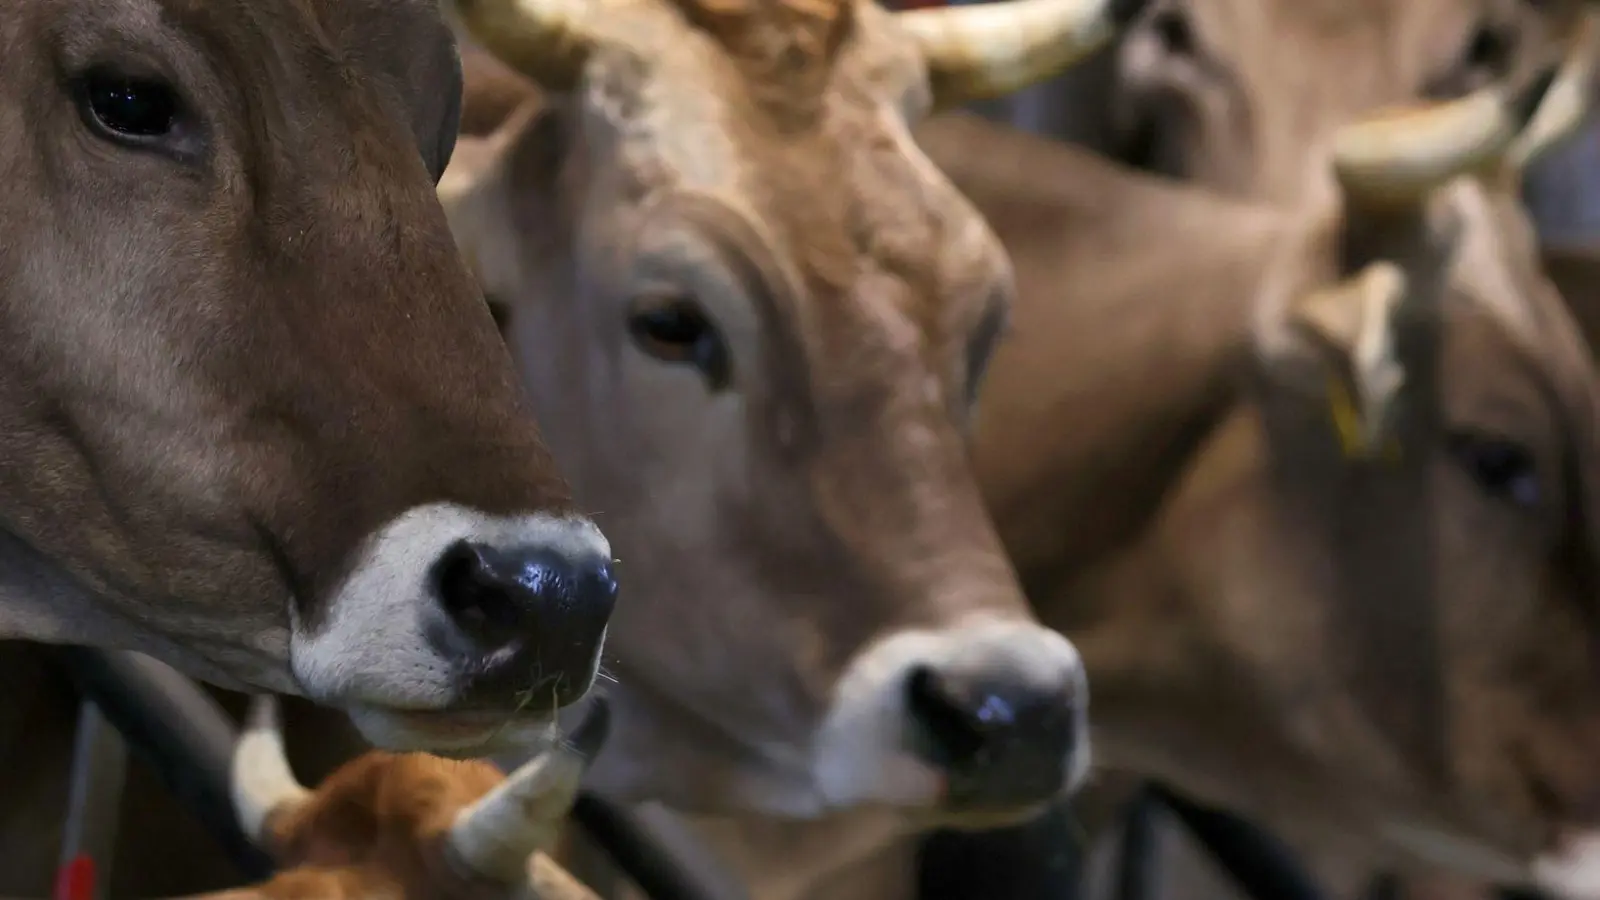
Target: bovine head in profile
1395, 537
1244, 95
254, 416
753, 317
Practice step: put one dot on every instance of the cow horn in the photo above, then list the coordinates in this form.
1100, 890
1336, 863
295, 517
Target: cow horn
1401, 155
262, 782
1569, 100
546, 40
974, 52
495, 836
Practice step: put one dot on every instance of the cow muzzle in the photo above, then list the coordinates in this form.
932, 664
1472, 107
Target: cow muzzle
460, 632
978, 724
1573, 872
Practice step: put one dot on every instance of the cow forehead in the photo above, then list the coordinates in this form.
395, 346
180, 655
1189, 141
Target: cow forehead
829, 173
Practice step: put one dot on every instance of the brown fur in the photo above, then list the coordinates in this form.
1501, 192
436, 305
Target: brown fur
850, 280
1323, 645
376, 827
219, 377
1249, 100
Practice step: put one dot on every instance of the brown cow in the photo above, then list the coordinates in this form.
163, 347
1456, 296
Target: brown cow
254, 417
1341, 572
754, 315
410, 826
1244, 95
754, 353
774, 313
1433, 687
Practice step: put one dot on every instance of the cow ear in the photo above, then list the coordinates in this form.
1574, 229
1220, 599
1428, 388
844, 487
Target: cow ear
476, 194
1355, 321
1575, 271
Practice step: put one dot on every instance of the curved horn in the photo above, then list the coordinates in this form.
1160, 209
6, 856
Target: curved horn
262, 782
991, 49
1569, 100
495, 836
546, 40
1402, 155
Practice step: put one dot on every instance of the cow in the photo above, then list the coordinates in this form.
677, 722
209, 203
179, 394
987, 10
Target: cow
1342, 460
1244, 95
410, 825
255, 418
750, 317
1464, 663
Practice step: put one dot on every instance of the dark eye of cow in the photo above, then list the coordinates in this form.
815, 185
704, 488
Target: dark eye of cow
1501, 468
991, 329
1172, 27
1490, 48
129, 109
675, 330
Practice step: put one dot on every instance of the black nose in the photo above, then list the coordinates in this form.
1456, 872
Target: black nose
531, 616
1001, 741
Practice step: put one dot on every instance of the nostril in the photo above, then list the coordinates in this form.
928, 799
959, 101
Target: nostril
472, 592
600, 585
954, 732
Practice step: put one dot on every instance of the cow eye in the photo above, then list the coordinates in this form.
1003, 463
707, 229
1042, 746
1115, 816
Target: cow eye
676, 330
991, 329
1174, 31
1501, 468
1489, 49
129, 109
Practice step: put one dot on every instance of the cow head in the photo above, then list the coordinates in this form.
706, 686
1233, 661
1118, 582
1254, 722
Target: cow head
1245, 95
1408, 509
754, 317
254, 416
410, 825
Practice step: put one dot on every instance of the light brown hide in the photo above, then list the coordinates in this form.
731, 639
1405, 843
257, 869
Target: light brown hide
1244, 95
1203, 590
845, 510
1325, 644
222, 374
808, 502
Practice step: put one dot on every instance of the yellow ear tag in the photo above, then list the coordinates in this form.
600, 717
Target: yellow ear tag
1347, 426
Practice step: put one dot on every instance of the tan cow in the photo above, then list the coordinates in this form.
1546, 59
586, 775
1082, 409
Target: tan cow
773, 313
1432, 686
1340, 572
753, 314
410, 826
254, 418
1245, 95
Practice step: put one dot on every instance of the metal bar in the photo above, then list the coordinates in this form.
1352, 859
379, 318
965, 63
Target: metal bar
1139, 857
628, 843
1038, 860
94, 805
175, 728
1258, 863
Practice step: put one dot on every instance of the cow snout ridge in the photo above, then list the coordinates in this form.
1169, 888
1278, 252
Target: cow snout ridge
529, 611
1003, 736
